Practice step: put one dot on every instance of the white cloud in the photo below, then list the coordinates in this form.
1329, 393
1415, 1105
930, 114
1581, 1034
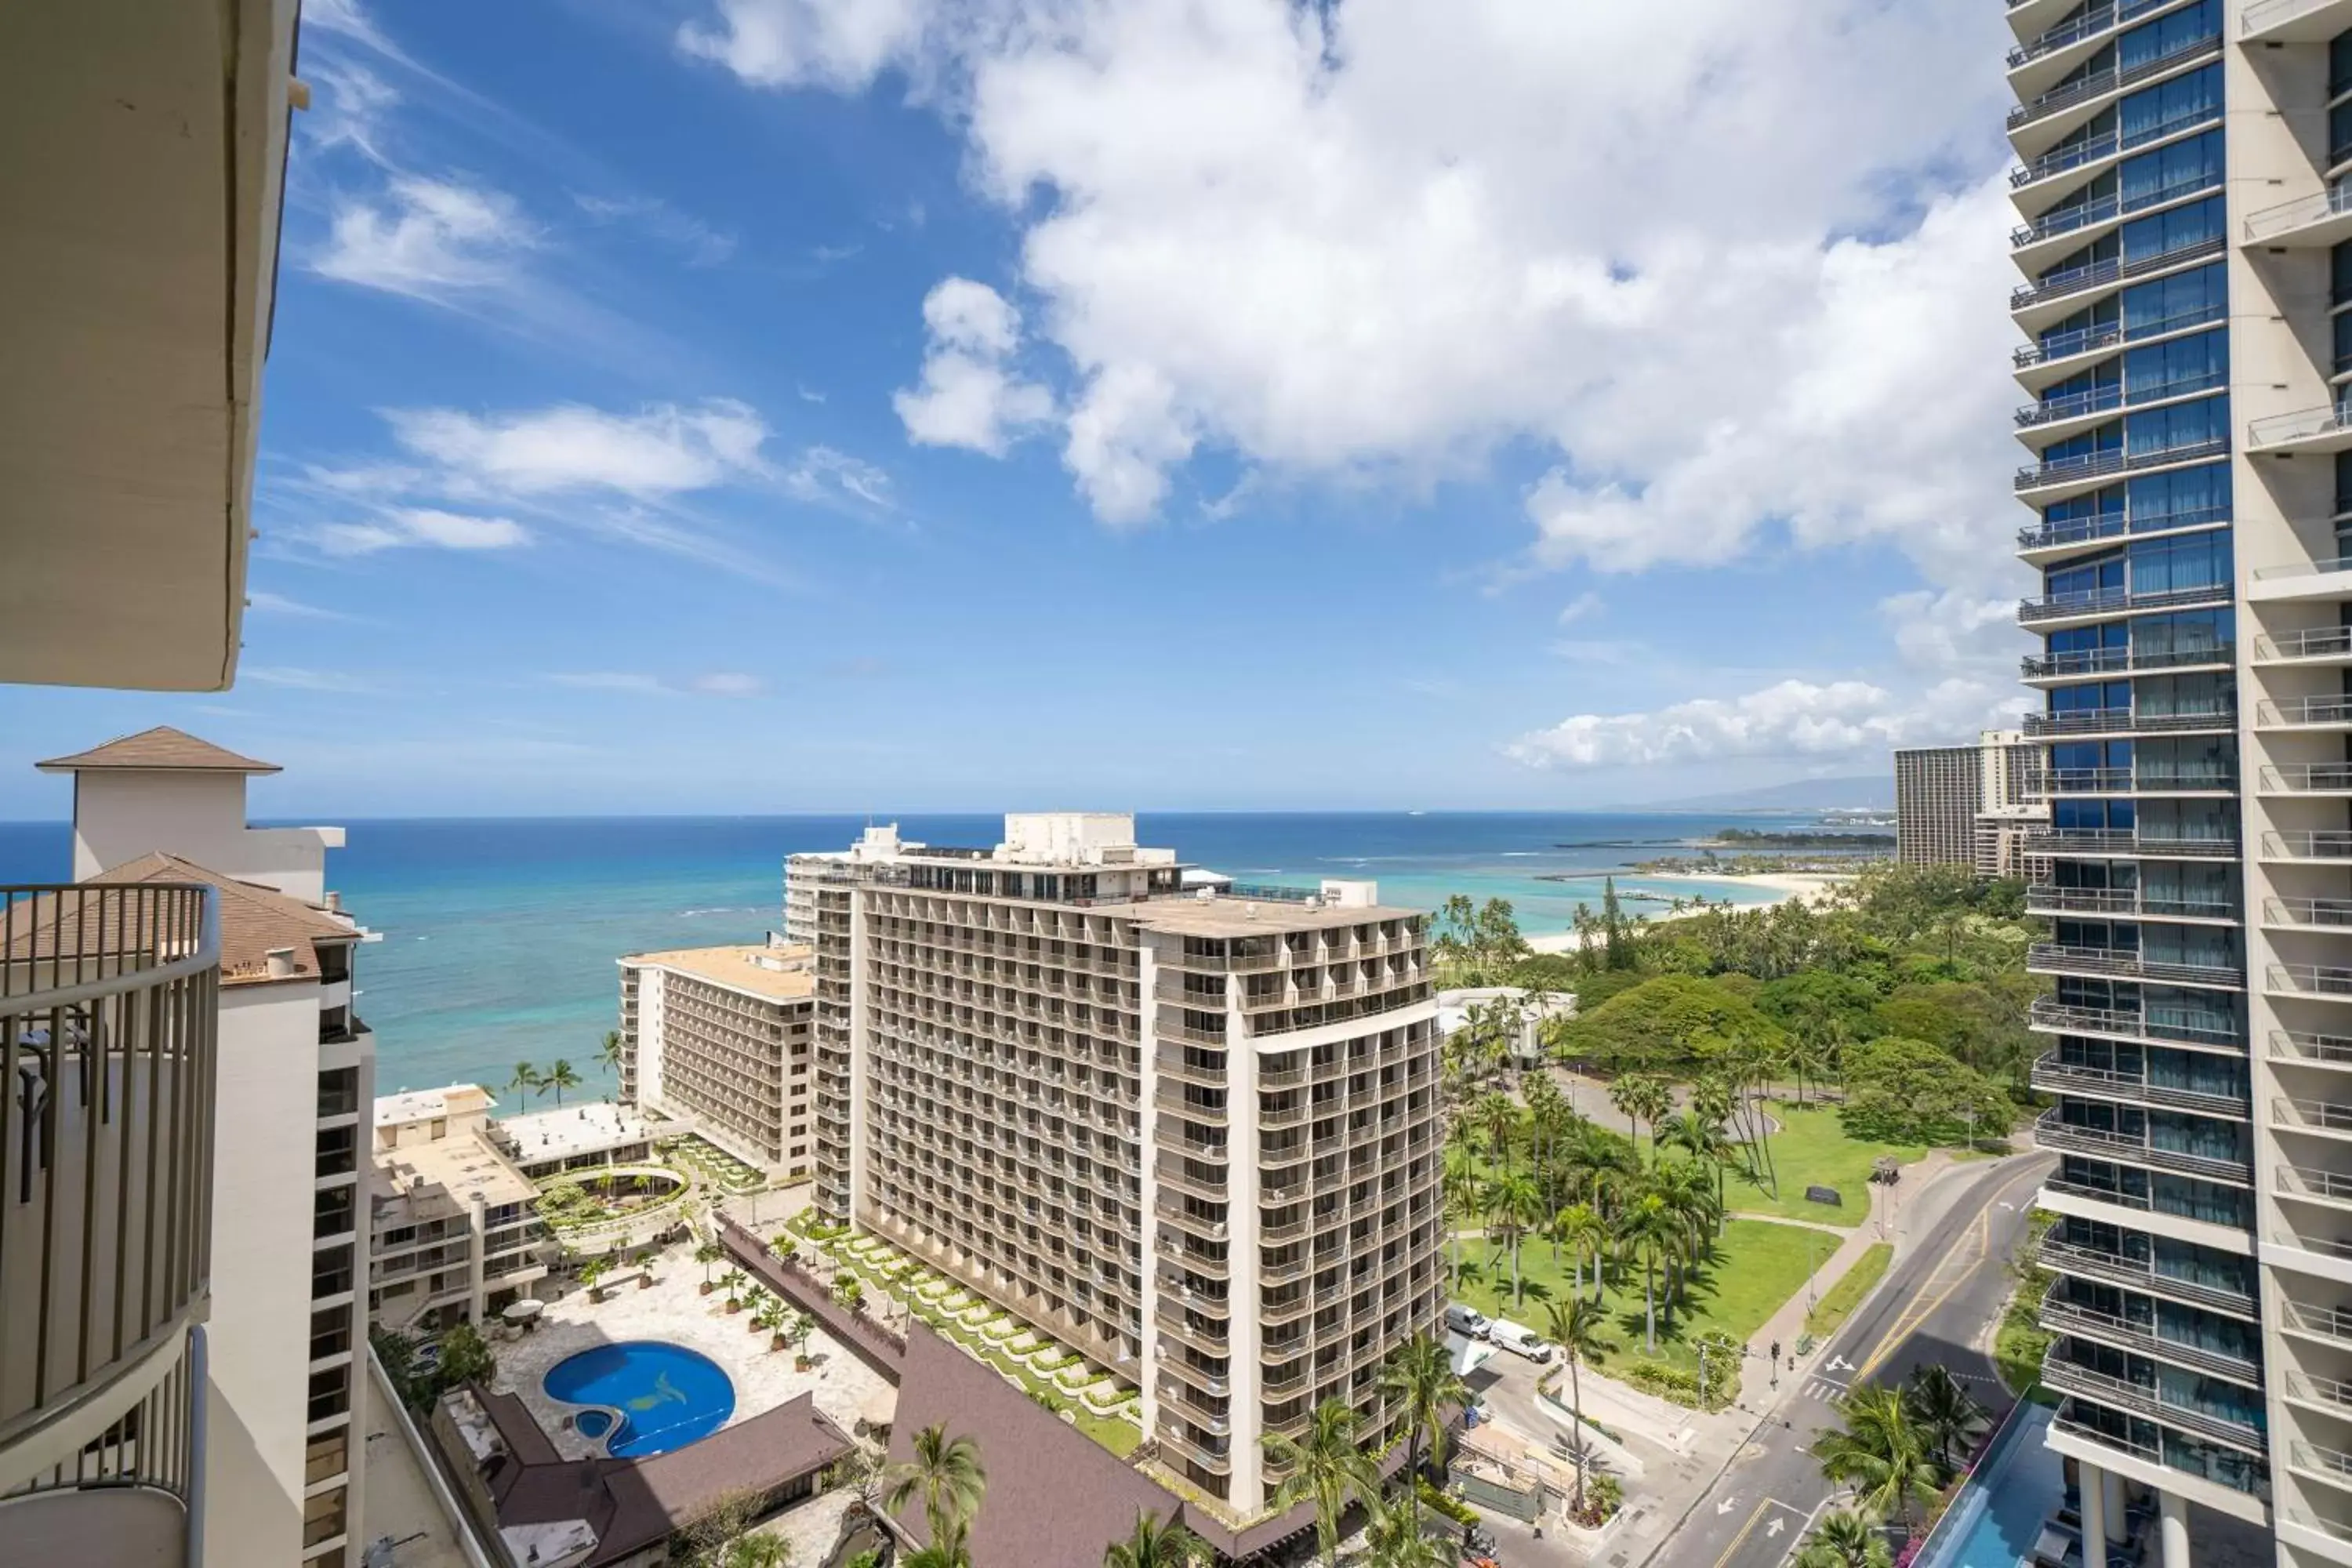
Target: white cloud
704, 246
422, 526
429, 239
791, 43
1584, 604
664, 449
968, 396
717, 683
1792, 719
299, 680
823, 474
267, 604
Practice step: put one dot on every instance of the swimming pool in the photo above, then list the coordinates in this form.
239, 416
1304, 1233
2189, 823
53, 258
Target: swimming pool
666, 1396
1996, 1518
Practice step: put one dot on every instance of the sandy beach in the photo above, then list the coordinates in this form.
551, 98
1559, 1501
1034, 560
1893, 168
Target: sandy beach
1782, 886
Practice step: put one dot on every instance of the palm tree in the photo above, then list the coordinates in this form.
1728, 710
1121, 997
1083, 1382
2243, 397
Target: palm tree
1517, 1207
1394, 1539
1651, 1229
525, 1081
1420, 1375
1844, 1539
1576, 1326
1945, 1413
945, 1472
954, 1550
560, 1077
770, 1319
757, 1551
1155, 1544
1326, 1466
732, 1282
610, 1052
1498, 1113
1702, 1140
1580, 1229
1880, 1454
707, 1254
755, 1303
594, 1271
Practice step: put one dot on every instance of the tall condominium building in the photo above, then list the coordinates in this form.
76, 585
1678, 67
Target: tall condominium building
1193, 1134
135, 285
2185, 293
295, 1069
1936, 793
1969, 805
719, 1037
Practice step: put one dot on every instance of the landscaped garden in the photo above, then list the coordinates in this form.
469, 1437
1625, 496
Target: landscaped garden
713, 1165
587, 1201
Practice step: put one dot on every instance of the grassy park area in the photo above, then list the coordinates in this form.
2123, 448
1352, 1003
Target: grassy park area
1813, 1148
1833, 1309
1757, 1266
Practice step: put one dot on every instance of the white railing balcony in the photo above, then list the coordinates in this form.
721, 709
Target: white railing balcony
2305, 1049
2312, 1181
2303, 1115
2263, 15
2300, 213
2065, 1316
2307, 778
2311, 979
2054, 1075
2050, 957
108, 1011
2327, 1322
2316, 642
2279, 711
2144, 1399
2334, 914
2304, 425
2319, 843
2051, 1132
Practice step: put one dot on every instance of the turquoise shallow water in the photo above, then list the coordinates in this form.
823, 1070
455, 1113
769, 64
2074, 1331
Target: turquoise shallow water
499, 937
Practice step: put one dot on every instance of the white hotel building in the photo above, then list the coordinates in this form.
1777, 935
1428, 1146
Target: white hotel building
1194, 1135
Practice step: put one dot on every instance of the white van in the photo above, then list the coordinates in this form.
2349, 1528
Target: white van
1520, 1340
1467, 1321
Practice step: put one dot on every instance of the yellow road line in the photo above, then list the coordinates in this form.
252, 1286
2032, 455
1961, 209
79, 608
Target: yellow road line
1908, 1322
1741, 1539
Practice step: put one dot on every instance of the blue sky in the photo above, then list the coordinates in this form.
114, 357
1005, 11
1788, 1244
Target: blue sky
767, 405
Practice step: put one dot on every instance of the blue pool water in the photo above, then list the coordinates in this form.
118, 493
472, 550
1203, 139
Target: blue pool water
1998, 1516
593, 1423
667, 1396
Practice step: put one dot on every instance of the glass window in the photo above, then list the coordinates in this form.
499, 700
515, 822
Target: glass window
2178, 425
2183, 299
2170, 35
2170, 171
2169, 106
2179, 366
2175, 499
2173, 229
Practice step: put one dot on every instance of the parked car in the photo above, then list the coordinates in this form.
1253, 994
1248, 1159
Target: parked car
1520, 1340
1467, 1321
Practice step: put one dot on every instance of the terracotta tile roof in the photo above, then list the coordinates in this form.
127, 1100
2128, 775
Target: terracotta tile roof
161, 747
254, 919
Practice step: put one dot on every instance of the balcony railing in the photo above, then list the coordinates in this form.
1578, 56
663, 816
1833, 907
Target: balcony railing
2310, 1048
2316, 642
2120, 721
2115, 525
2053, 346
2128, 781
2307, 778
2090, 1263
2055, 1076
107, 1018
2051, 955
2304, 424
2143, 1399
2311, 979
2075, 280
2048, 1012
2282, 710
2063, 606
2067, 1318
2098, 84
2316, 568
2328, 1322
2040, 897
2265, 14
2312, 1181
2052, 1133
2289, 215
2322, 844
2122, 841
2305, 1115
2103, 209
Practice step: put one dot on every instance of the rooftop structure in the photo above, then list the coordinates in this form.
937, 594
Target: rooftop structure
1193, 1135
570, 1137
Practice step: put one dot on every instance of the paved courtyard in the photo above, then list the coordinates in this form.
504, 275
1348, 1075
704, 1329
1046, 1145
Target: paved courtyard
673, 1310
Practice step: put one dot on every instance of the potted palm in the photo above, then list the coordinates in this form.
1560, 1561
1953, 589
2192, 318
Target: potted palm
709, 1253
592, 1274
732, 1282
755, 1307
798, 1330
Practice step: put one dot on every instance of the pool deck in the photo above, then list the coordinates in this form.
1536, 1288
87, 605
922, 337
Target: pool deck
1996, 1518
674, 1312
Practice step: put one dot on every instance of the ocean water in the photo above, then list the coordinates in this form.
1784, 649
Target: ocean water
497, 937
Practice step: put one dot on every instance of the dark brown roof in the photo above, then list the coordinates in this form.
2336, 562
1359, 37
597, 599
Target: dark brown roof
161, 747
1055, 1497
632, 1503
255, 920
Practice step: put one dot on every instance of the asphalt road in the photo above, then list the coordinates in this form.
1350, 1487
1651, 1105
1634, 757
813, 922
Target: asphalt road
1949, 1283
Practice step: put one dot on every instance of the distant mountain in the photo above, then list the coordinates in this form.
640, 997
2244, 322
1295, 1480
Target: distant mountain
1873, 790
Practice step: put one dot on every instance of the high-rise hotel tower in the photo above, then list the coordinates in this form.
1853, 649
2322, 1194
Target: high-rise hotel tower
2188, 306
1192, 1132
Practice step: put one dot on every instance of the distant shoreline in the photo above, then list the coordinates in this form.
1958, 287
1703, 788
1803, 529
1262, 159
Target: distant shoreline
1783, 885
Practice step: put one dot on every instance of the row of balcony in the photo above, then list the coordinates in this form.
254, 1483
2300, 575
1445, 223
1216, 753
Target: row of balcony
2052, 1133
2083, 723
2075, 958
2087, 90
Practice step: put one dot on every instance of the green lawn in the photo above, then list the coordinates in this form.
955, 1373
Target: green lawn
1757, 1266
1812, 1149
1846, 1294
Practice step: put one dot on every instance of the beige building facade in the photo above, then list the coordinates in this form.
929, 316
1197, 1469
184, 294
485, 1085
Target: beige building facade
455, 1236
1194, 1135
721, 1039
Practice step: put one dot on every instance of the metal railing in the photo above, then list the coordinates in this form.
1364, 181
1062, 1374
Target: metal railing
2051, 1132
2125, 902
2068, 1318
2326, 710
2052, 1073
2098, 84
2320, 844
2123, 841
2311, 979
2067, 1257
2075, 280
2117, 460
2048, 1012
2055, 346
2146, 1400
2316, 642
2312, 778
2060, 606
2125, 961
2287, 216
108, 1014
2304, 568
2117, 720
2304, 424
2275, 13
2311, 1182
2129, 780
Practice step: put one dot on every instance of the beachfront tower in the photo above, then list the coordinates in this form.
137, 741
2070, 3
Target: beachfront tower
1191, 1134
2187, 302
